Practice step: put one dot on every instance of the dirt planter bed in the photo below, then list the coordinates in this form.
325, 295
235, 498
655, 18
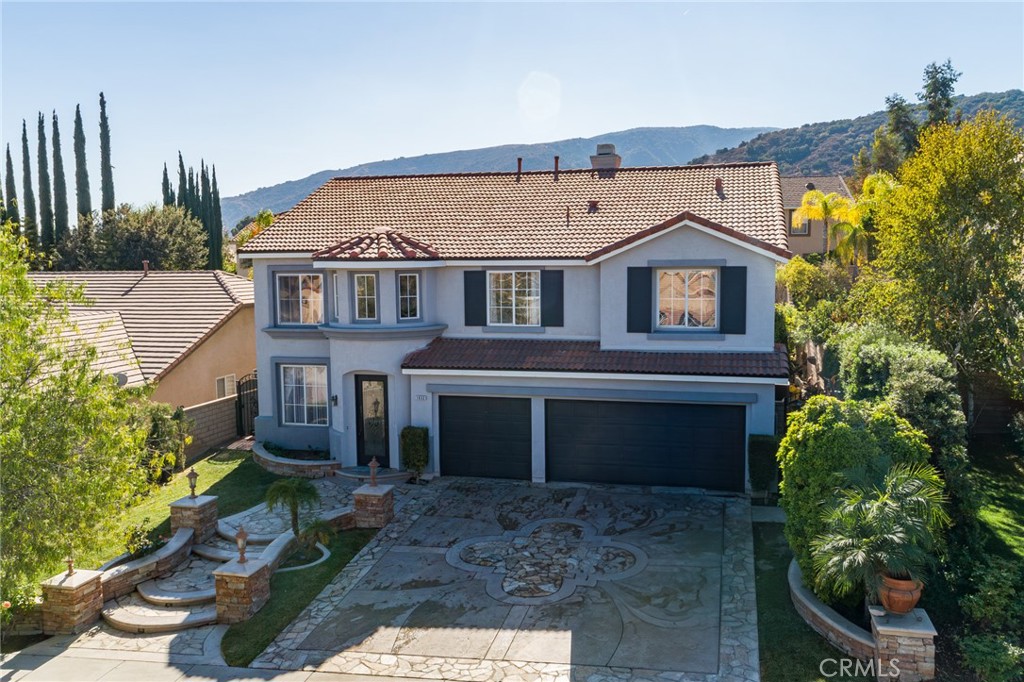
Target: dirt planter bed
299, 468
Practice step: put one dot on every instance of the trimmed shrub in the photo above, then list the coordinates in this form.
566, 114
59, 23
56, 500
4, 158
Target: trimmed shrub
764, 464
996, 603
414, 446
1017, 431
827, 443
992, 657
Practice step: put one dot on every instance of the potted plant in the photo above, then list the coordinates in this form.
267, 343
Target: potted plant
879, 536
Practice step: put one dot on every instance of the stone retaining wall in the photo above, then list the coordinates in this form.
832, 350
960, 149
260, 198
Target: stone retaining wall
214, 423
840, 633
25, 621
298, 468
122, 579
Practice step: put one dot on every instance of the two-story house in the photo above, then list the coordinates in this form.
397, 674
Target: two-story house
607, 325
808, 236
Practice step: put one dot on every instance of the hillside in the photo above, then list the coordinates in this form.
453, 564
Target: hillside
638, 147
826, 148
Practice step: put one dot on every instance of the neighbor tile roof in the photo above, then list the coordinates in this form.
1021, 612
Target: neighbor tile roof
105, 331
165, 314
529, 215
531, 355
795, 186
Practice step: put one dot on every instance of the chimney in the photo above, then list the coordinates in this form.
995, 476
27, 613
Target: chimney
606, 158
719, 188
556, 169
519, 168
145, 268
809, 186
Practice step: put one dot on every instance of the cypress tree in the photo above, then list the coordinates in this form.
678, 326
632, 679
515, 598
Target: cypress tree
166, 188
218, 221
11, 193
182, 182
206, 210
45, 192
190, 201
106, 170
60, 189
28, 225
83, 199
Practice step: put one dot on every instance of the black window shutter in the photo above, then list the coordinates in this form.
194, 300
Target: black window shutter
476, 297
639, 310
552, 306
732, 300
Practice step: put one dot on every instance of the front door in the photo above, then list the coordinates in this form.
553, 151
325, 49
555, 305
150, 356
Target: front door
372, 419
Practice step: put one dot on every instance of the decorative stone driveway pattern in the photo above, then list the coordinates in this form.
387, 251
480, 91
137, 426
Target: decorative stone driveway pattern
596, 583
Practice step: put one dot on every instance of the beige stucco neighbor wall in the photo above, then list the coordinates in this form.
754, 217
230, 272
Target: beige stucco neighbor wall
230, 350
811, 242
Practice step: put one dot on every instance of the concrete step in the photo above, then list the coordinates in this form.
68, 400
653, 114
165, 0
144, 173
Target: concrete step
133, 614
226, 531
219, 549
152, 593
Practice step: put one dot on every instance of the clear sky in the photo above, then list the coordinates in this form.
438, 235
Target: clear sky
275, 91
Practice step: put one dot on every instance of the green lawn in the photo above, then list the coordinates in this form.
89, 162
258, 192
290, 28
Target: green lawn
790, 650
290, 593
238, 482
999, 473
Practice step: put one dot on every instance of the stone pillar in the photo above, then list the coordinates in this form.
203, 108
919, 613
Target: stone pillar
199, 514
71, 603
375, 505
242, 589
904, 646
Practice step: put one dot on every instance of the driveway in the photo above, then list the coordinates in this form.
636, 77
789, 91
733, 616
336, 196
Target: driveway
483, 579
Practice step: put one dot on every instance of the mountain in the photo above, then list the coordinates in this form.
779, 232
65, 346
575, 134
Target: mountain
638, 147
827, 148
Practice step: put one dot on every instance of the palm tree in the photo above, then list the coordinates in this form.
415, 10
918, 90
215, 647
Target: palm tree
828, 208
878, 529
292, 493
852, 242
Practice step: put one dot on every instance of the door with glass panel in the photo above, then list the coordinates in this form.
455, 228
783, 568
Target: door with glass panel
372, 419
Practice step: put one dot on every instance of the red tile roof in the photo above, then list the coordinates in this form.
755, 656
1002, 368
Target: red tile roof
381, 244
528, 215
530, 355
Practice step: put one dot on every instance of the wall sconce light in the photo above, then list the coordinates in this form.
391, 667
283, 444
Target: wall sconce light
334, 400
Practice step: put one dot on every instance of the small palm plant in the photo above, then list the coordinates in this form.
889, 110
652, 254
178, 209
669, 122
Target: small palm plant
318, 531
292, 493
878, 529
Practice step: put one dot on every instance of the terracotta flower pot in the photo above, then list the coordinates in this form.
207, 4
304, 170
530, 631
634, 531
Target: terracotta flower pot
898, 595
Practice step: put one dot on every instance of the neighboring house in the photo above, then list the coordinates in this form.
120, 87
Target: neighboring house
608, 324
190, 332
808, 236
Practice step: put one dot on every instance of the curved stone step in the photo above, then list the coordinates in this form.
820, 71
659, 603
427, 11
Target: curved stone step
151, 593
219, 554
133, 614
227, 532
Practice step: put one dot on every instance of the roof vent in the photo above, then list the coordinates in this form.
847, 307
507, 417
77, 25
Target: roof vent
809, 186
592, 206
719, 188
606, 158
145, 268
556, 169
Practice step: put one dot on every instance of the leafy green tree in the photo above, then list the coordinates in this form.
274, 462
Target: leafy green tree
28, 225
937, 96
165, 187
291, 494
166, 236
45, 193
61, 226
902, 124
11, 194
106, 169
249, 227
70, 441
83, 200
950, 238
829, 209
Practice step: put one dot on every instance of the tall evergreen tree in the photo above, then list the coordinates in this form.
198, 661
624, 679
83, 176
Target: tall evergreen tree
937, 96
182, 181
218, 221
207, 212
45, 192
83, 200
106, 170
28, 225
166, 189
190, 202
901, 122
11, 193
60, 189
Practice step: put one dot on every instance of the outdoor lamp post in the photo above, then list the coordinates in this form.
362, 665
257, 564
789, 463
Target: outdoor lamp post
373, 471
192, 476
240, 537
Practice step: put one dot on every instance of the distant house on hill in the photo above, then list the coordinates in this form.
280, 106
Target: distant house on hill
808, 236
191, 333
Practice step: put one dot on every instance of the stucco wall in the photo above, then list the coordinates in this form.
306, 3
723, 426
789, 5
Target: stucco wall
230, 350
810, 242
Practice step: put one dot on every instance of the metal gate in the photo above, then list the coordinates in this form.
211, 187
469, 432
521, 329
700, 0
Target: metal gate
247, 406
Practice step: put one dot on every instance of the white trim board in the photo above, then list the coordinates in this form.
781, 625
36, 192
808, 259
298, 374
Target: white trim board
699, 228
598, 376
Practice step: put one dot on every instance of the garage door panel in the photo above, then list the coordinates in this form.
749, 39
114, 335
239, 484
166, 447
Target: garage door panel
489, 437
646, 443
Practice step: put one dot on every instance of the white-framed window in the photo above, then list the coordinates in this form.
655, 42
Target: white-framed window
408, 295
513, 298
304, 394
365, 295
226, 385
798, 228
687, 298
300, 299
